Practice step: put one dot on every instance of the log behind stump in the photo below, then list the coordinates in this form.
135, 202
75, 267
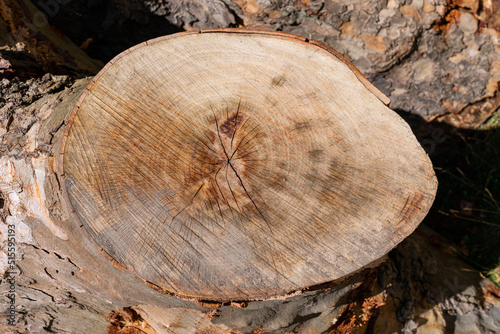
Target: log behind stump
236, 164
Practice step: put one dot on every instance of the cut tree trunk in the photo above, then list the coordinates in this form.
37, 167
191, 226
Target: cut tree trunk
255, 173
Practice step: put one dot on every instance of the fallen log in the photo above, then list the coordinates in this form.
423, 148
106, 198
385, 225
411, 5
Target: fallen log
226, 167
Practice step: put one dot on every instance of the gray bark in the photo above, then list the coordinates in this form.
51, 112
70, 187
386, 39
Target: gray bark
428, 57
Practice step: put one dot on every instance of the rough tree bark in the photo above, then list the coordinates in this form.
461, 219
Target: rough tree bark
421, 287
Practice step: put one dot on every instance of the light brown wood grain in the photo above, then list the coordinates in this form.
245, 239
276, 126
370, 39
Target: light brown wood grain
241, 164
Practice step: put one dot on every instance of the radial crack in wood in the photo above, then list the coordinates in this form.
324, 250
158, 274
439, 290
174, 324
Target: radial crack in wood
236, 164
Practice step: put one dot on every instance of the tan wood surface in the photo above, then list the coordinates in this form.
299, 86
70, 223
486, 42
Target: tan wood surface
241, 164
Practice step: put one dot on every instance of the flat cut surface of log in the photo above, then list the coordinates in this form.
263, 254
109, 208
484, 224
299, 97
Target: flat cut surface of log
236, 164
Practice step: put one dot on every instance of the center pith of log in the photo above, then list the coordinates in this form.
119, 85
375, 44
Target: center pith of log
236, 164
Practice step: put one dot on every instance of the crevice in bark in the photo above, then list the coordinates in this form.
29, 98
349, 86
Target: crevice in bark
60, 257
55, 131
44, 292
405, 56
234, 10
48, 327
3, 203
